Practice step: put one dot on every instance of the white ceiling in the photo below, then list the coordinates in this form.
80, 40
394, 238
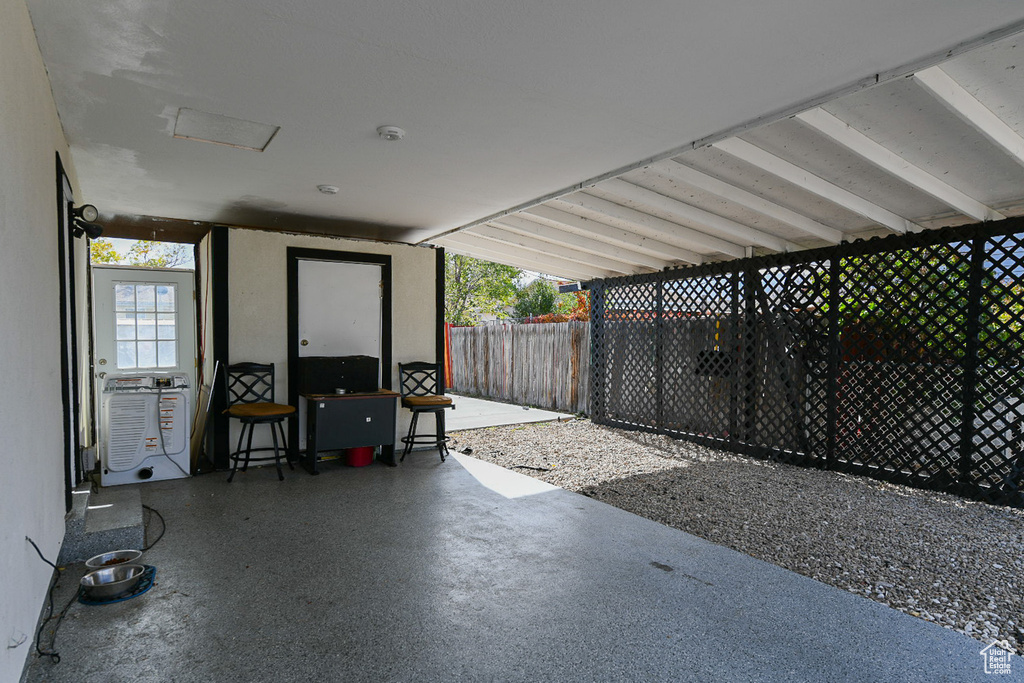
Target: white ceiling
505, 103
943, 146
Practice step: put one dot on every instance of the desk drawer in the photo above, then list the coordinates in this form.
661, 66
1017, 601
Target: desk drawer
353, 423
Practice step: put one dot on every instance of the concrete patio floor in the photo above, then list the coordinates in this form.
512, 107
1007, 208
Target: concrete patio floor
474, 413
466, 571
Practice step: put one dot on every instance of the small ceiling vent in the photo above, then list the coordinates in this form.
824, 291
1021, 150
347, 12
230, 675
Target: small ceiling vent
192, 124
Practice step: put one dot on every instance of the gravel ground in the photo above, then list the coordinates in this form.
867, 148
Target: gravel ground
943, 559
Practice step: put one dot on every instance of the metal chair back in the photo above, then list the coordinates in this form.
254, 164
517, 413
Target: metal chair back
249, 383
419, 379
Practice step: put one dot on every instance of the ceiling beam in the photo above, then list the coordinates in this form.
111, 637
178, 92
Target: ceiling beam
530, 260
543, 248
884, 158
612, 235
746, 235
766, 161
521, 226
962, 103
691, 176
659, 228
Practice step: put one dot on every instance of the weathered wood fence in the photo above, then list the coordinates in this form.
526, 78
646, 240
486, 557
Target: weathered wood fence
544, 365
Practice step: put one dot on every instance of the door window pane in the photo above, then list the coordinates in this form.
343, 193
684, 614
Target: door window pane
145, 297
124, 297
167, 352
165, 297
147, 354
125, 325
147, 325
126, 355
165, 326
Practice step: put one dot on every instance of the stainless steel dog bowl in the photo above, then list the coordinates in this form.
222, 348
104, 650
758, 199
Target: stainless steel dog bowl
113, 558
111, 582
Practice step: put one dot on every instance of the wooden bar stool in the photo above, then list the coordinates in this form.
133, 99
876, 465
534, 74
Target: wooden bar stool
421, 393
250, 397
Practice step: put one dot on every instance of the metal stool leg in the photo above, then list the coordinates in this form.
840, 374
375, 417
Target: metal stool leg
238, 453
248, 449
277, 453
442, 447
284, 445
410, 436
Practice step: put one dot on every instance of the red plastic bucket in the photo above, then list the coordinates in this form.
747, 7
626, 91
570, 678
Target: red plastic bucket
359, 457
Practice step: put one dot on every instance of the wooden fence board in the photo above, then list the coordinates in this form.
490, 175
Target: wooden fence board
543, 365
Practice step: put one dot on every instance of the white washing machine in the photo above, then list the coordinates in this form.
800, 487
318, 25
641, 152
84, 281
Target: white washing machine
144, 428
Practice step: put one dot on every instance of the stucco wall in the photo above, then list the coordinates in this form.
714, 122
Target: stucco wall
32, 484
258, 285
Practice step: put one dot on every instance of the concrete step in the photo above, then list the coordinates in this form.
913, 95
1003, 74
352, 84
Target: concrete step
110, 519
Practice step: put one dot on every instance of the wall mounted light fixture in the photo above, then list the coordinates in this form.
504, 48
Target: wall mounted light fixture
82, 222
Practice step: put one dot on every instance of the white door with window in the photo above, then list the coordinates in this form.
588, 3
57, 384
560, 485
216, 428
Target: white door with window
145, 322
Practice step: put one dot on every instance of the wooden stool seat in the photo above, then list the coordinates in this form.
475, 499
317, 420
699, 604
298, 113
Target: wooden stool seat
426, 401
259, 410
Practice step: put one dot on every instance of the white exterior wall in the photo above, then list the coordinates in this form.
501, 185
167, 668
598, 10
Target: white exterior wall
32, 483
258, 291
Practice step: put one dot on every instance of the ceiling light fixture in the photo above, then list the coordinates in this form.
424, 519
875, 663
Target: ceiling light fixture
390, 133
327, 189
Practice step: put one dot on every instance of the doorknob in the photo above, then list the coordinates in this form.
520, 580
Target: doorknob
102, 375
304, 342
103, 361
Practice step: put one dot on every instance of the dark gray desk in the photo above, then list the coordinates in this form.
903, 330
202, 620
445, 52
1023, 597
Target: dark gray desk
341, 421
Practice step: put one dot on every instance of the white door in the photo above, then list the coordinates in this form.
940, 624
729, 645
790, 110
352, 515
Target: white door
339, 313
339, 309
145, 322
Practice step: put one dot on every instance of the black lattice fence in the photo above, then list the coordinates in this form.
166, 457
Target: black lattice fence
899, 358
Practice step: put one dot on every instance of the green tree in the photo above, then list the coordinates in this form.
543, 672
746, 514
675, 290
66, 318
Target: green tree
537, 298
147, 253
102, 251
474, 287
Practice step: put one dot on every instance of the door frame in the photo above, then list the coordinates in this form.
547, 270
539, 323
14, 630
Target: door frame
70, 400
296, 254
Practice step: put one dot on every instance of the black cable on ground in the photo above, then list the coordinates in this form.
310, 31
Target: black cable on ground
51, 653
163, 527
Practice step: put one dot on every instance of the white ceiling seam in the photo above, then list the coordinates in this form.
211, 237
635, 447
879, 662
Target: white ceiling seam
659, 228
860, 144
956, 98
611, 234
678, 171
543, 248
766, 161
563, 238
743, 234
498, 256
532, 260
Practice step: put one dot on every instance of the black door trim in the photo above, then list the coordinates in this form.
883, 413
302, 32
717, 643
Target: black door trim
440, 348
296, 254
218, 439
70, 400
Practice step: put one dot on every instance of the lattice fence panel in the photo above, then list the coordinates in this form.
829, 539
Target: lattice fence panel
900, 358
699, 342
788, 383
630, 381
903, 332
996, 467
